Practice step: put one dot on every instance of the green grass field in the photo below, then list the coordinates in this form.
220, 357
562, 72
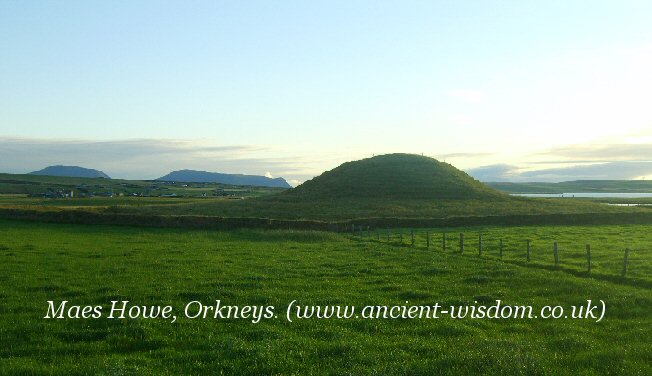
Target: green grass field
343, 209
93, 265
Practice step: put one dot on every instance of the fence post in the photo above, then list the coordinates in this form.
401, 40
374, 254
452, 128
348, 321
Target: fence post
528, 250
501, 248
428, 239
556, 255
626, 262
480, 245
388, 236
588, 257
377, 235
413, 237
368, 233
461, 242
444, 242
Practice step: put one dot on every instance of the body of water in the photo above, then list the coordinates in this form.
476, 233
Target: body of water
580, 194
630, 204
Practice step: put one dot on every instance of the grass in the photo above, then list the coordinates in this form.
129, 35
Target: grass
607, 247
97, 264
393, 176
284, 207
280, 207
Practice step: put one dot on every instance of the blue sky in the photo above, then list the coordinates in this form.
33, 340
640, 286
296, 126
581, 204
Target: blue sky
138, 88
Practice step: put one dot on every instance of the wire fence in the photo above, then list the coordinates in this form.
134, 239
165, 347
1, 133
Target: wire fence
569, 255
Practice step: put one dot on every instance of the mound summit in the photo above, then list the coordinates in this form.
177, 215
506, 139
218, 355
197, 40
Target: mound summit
394, 176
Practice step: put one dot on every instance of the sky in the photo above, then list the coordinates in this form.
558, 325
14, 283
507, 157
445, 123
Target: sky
506, 90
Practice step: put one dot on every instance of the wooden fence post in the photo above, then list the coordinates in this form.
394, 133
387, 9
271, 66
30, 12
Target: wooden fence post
412, 237
588, 257
501, 248
461, 242
556, 255
428, 239
480, 245
444, 242
528, 250
626, 262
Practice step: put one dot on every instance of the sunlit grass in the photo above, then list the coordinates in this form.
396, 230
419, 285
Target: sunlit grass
97, 264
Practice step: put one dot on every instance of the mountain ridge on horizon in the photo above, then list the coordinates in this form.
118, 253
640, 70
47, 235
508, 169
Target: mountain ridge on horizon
70, 171
196, 176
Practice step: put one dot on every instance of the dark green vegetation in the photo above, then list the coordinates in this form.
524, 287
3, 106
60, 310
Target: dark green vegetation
345, 209
585, 186
396, 177
92, 265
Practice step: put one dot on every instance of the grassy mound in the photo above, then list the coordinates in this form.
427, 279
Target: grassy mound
394, 176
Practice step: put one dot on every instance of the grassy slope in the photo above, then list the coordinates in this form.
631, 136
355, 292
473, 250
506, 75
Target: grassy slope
320, 209
95, 264
393, 176
343, 209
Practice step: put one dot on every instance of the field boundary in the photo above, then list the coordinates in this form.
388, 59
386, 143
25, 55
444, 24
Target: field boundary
74, 216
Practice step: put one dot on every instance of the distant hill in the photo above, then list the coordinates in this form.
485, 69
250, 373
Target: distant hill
71, 171
396, 177
192, 176
576, 186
